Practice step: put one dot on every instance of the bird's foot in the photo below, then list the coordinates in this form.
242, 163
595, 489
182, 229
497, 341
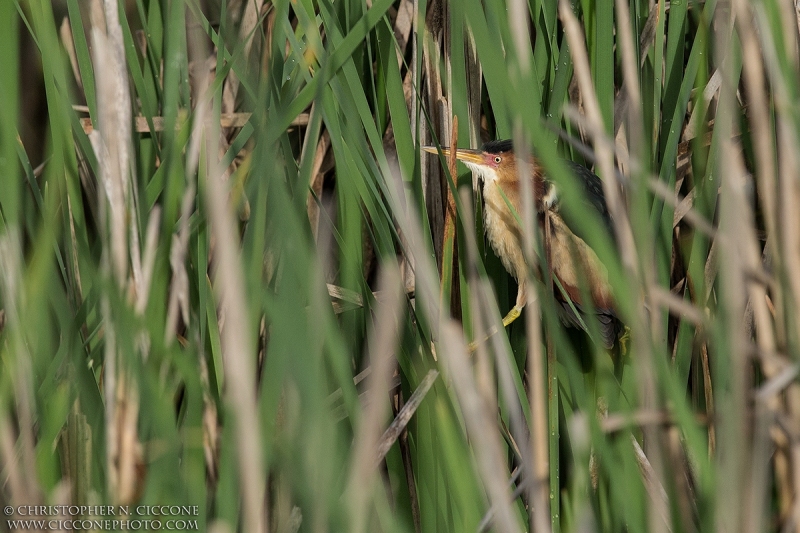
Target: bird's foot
471, 347
512, 315
508, 319
624, 339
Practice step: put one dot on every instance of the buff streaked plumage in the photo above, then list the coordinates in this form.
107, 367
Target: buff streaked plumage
571, 258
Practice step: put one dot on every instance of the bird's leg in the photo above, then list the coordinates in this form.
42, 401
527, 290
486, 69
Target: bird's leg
508, 319
512, 315
623, 340
517, 309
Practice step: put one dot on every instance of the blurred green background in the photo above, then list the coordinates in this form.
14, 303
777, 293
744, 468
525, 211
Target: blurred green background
224, 270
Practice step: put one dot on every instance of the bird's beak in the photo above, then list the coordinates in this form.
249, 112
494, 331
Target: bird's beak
468, 156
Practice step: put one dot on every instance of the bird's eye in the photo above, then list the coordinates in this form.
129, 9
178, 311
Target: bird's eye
497, 159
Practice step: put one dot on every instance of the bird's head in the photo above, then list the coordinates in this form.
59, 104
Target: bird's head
493, 162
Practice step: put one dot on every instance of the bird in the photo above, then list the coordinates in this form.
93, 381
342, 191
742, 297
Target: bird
570, 257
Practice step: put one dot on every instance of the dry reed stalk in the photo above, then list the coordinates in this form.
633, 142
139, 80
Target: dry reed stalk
603, 146
403, 417
320, 145
794, 517
788, 220
432, 182
382, 343
763, 140
179, 285
452, 352
19, 463
758, 115
238, 352
638, 320
739, 254
247, 31
451, 349
402, 27
478, 417
238, 349
789, 237
110, 144
449, 234
65, 32
122, 253
486, 317
537, 444
149, 259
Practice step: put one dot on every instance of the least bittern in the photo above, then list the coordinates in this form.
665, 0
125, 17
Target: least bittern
570, 258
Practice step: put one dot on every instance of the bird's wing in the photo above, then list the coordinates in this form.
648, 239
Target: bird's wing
609, 324
594, 198
593, 195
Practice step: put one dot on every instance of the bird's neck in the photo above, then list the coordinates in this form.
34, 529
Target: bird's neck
544, 191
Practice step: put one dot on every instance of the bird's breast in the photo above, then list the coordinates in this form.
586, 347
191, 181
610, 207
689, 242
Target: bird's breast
572, 260
502, 229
